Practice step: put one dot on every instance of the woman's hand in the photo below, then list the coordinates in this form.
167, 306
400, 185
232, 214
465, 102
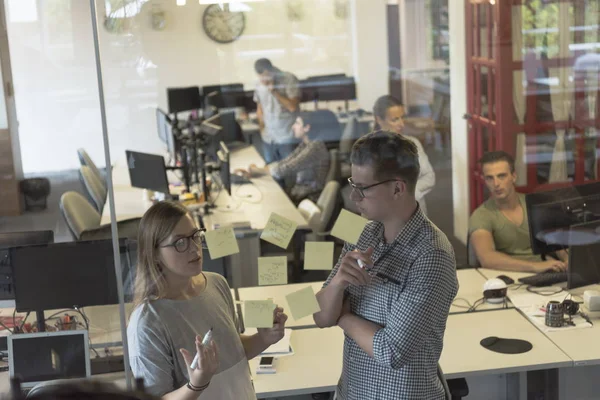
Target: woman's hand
242, 172
208, 362
275, 334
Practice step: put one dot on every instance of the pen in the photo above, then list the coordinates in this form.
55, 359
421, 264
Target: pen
361, 263
206, 340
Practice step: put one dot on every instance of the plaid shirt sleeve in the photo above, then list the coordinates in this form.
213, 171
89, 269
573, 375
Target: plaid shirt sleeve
423, 304
303, 158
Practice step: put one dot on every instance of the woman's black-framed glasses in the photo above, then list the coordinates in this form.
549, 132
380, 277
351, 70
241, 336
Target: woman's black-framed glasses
361, 189
182, 244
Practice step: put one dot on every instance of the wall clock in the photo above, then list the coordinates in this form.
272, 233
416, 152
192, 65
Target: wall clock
223, 25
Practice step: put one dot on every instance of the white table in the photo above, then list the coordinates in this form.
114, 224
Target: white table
278, 293
463, 356
471, 289
315, 367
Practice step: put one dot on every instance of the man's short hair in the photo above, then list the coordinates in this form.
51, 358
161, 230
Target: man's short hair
391, 155
496, 156
263, 64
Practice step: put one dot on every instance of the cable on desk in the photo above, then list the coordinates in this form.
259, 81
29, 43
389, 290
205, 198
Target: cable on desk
543, 291
245, 199
468, 306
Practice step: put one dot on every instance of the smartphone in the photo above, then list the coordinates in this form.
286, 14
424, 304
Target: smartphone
266, 362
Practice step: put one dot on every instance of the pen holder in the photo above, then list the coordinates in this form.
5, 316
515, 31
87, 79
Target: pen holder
554, 314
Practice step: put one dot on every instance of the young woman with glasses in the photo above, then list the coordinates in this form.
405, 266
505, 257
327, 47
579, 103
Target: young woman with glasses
176, 304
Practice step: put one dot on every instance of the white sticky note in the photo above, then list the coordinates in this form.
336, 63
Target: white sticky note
349, 226
221, 242
272, 271
279, 231
318, 255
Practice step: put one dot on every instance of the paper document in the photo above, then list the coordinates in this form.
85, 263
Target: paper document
349, 226
318, 256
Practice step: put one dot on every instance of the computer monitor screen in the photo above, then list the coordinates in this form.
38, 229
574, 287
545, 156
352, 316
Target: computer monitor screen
230, 95
147, 171
552, 213
64, 275
44, 356
165, 132
224, 165
14, 239
584, 260
184, 99
232, 132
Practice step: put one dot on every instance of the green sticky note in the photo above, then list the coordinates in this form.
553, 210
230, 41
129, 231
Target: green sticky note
302, 303
221, 243
349, 227
279, 231
272, 271
318, 255
258, 313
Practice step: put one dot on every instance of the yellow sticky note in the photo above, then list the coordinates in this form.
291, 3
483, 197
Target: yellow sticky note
221, 243
279, 231
349, 227
302, 303
258, 313
318, 255
272, 271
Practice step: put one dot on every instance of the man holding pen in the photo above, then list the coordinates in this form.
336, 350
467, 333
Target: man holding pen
394, 310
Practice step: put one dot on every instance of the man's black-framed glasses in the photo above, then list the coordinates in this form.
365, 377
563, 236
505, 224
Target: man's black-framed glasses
182, 244
361, 189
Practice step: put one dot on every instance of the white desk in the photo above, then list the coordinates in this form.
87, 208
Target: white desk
278, 293
315, 367
493, 273
470, 288
463, 356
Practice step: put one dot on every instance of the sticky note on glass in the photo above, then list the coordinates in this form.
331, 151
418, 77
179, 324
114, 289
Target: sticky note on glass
302, 303
258, 313
279, 231
318, 255
272, 271
349, 227
221, 243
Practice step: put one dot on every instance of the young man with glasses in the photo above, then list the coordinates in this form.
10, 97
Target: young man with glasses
394, 310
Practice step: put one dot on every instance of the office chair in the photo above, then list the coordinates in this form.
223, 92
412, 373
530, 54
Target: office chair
319, 215
334, 173
83, 220
348, 138
96, 190
86, 389
85, 159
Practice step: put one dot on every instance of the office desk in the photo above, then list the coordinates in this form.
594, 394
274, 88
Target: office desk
471, 289
493, 273
278, 293
315, 367
463, 356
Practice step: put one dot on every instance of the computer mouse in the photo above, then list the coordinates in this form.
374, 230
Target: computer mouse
489, 341
507, 279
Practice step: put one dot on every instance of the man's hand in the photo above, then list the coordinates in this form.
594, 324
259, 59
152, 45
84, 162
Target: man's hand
275, 334
554, 265
241, 172
350, 272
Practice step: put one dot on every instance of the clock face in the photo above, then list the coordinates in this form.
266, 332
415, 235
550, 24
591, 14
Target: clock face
222, 25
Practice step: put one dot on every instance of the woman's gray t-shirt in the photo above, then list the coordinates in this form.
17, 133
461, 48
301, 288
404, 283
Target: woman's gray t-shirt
158, 329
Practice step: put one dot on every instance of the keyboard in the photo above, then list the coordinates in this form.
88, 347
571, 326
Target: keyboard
545, 279
107, 364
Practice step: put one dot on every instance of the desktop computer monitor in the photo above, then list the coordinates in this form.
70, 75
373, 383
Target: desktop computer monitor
15, 239
230, 95
147, 171
184, 99
165, 132
64, 275
552, 213
224, 166
584, 260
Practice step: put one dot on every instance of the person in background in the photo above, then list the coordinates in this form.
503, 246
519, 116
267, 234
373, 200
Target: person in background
389, 113
309, 163
393, 311
176, 304
277, 97
499, 228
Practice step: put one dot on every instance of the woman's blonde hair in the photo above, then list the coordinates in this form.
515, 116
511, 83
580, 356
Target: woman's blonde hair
156, 225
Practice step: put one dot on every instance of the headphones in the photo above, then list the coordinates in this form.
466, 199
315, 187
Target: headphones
570, 307
494, 290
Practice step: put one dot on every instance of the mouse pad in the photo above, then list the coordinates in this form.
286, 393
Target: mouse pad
506, 346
